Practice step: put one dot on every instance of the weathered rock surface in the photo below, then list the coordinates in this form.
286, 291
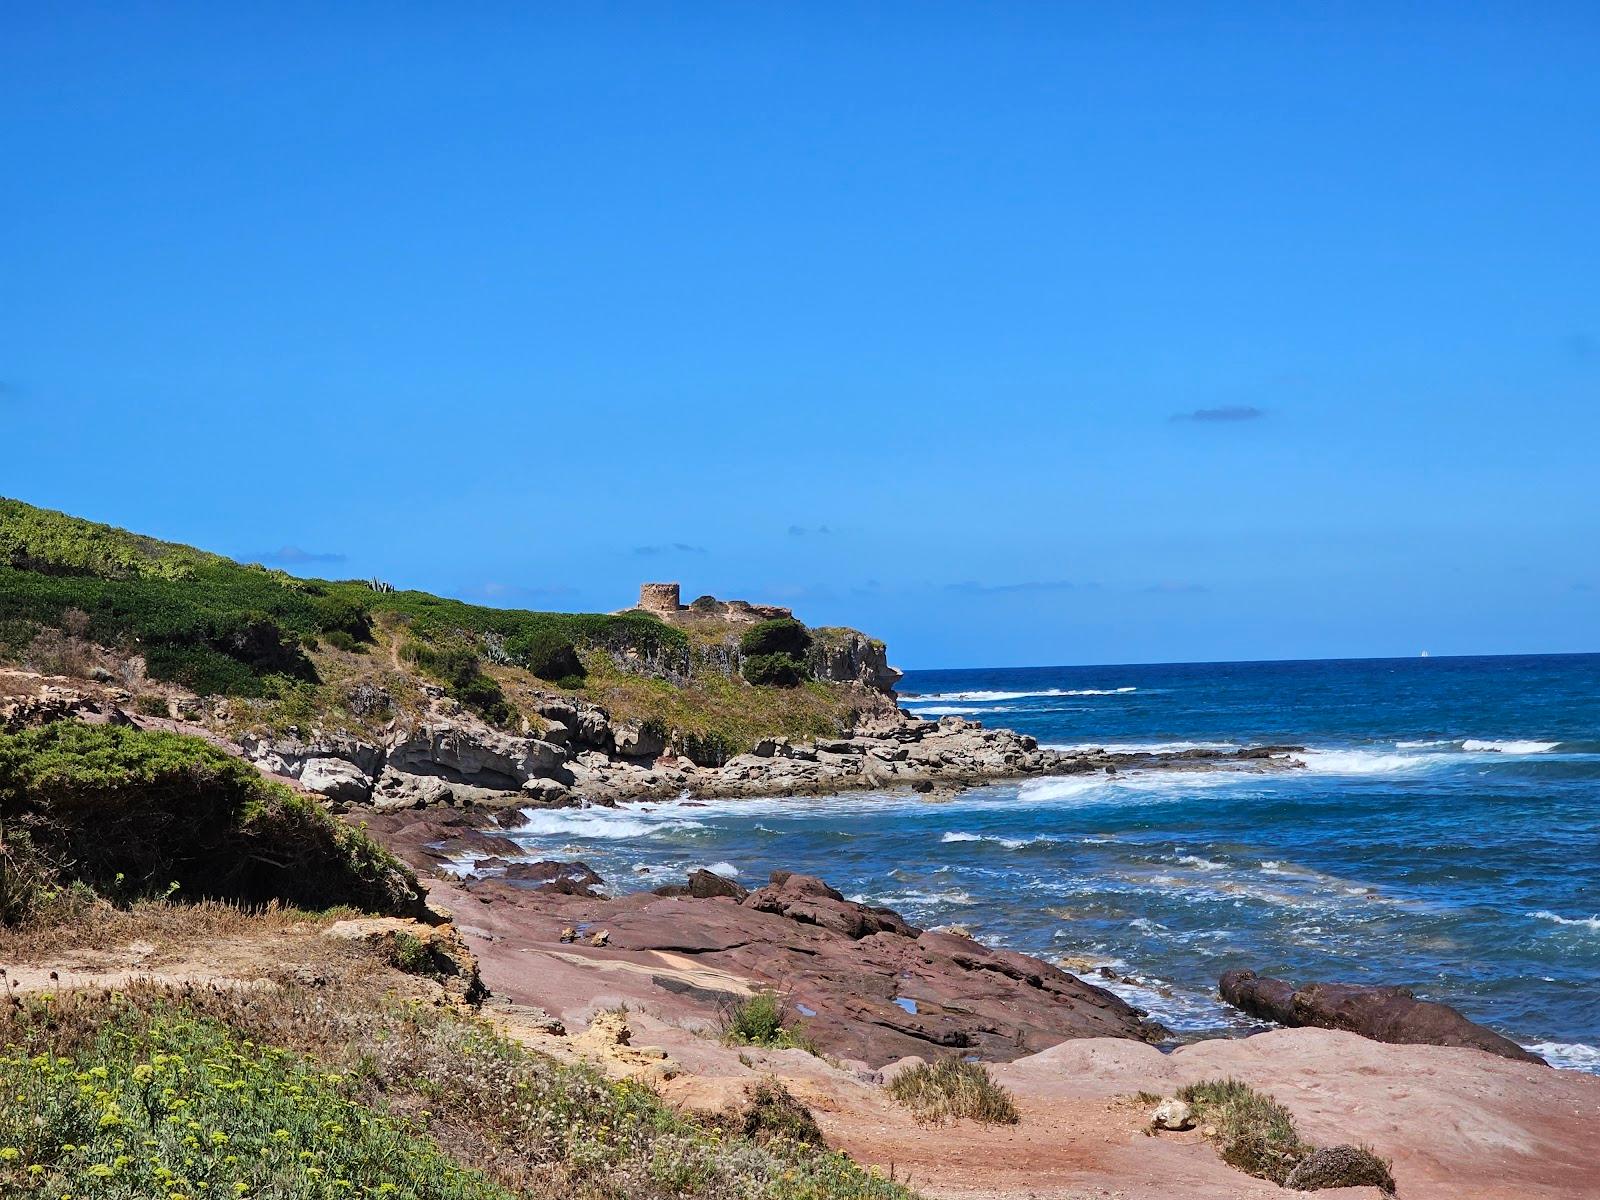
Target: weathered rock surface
579, 755
560, 878
861, 981
1384, 1014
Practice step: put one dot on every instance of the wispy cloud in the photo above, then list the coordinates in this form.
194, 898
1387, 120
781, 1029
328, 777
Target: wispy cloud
294, 556
808, 530
972, 587
668, 548
1226, 414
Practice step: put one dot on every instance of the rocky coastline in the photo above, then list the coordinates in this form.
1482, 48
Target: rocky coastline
452, 758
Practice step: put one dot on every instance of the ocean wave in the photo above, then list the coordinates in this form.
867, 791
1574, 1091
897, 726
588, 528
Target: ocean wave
1508, 746
1137, 747
990, 697
1008, 842
1571, 1056
1591, 923
604, 824
956, 710
1127, 787
725, 869
1203, 864
1367, 762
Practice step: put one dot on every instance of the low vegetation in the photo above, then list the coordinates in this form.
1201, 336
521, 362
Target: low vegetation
773, 1112
301, 1093
1253, 1131
1256, 1134
953, 1089
124, 814
80, 598
764, 1020
775, 652
1340, 1167
218, 627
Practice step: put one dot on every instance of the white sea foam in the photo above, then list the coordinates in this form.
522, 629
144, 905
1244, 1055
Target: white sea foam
1137, 747
1368, 762
1592, 923
1507, 746
725, 869
1008, 842
1145, 787
601, 823
990, 697
1572, 1056
1203, 864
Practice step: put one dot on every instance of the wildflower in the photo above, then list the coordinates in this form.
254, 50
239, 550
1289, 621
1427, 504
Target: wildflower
10, 1154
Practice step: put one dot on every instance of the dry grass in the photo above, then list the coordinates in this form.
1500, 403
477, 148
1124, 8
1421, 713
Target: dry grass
953, 1089
1342, 1166
81, 921
1254, 1132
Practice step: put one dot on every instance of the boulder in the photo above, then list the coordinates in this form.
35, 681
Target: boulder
337, 779
474, 753
548, 793
806, 899
1384, 1014
703, 885
562, 878
1172, 1114
637, 741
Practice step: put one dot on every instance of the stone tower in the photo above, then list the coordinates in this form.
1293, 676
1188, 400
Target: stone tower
659, 597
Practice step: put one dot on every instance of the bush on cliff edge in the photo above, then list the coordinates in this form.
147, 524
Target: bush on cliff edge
131, 813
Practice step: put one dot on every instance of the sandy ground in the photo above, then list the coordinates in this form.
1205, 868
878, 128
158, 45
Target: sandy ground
1458, 1123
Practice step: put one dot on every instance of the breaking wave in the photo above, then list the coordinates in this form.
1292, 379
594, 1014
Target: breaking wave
989, 697
1591, 923
1509, 746
1572, 1056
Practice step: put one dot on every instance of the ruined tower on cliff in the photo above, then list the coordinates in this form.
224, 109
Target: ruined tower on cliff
661, 598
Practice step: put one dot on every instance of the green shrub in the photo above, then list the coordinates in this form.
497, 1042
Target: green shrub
1254, 1132
340, 640
775, 670
458, 667
782, 635
150, 704
547, 652
708, 749
953, 1089
763, 1020
134, 813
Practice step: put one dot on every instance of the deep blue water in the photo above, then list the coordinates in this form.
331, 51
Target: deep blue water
1445, 834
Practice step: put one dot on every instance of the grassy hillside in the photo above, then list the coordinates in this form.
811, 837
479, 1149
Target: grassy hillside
75, 595
104, 812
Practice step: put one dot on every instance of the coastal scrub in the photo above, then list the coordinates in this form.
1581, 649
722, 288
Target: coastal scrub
953, 1089
318, 1093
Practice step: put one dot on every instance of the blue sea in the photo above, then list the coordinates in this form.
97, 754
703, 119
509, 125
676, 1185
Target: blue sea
1444, 834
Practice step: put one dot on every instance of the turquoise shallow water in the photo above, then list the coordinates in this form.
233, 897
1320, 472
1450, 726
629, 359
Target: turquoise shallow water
1444, 834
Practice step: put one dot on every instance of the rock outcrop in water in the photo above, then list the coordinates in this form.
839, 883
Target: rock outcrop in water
1384, 1014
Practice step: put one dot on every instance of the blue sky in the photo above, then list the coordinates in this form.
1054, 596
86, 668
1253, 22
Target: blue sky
1013, 333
